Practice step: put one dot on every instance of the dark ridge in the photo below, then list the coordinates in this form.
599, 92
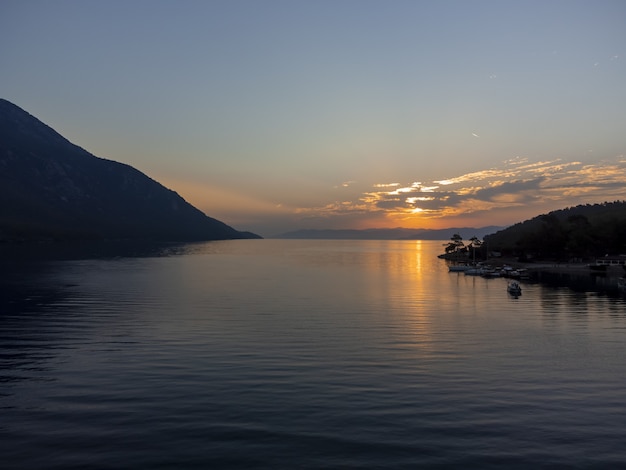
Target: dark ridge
583, 231
51, 189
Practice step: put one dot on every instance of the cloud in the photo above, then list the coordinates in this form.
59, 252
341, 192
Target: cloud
518, 186
385, 185
496, 191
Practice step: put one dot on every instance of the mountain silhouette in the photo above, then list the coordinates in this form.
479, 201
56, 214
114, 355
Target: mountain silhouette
51, 189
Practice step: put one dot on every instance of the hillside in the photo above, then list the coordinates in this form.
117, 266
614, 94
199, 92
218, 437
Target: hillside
577, 232
53, 189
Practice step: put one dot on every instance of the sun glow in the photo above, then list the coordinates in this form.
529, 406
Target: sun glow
517, 186
498, 196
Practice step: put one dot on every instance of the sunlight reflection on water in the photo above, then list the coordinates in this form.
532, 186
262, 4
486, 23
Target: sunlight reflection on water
282, 353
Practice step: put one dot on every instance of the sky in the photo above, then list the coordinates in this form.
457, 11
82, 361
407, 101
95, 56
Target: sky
275, 115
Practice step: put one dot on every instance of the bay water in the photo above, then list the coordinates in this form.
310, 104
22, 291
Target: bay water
303, 354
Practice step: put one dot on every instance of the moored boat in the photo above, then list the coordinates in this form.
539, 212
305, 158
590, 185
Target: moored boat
490, 272
458, 268
514, 288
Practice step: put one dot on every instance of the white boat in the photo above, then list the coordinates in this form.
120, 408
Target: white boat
458, 268
508, 271
490, 273
514, 288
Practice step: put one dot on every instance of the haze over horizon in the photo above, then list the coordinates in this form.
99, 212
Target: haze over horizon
280, 115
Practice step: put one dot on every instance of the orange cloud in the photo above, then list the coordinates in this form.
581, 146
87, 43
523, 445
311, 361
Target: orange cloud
519, 185
517, 190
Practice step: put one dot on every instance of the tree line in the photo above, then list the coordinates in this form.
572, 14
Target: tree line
579, 232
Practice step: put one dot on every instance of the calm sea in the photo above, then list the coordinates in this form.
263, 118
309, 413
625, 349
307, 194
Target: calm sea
303, 354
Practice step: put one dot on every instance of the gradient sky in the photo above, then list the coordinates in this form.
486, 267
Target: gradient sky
278, 115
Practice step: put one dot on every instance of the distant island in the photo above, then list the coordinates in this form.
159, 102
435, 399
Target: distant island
51, 189
388, 233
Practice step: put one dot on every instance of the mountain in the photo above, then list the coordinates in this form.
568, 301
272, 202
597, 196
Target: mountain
53, 189
583, 231
389, 234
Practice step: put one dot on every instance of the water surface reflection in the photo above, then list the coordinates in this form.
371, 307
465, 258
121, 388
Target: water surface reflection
280, 353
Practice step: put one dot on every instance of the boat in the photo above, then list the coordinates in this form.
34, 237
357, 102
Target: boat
458, 268
490, 272
514, 288
508, 271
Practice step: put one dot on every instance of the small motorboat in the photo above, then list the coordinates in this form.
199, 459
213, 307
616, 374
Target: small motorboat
514, 288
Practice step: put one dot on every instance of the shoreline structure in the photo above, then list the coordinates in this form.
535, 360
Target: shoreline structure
576, 268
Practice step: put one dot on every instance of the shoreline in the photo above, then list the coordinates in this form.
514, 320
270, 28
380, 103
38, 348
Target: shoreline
560, 268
